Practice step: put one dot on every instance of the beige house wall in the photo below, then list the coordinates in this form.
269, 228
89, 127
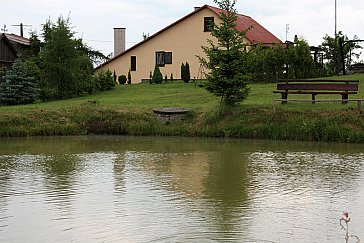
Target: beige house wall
184, 40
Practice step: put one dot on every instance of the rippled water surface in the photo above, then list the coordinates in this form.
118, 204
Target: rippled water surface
126, 189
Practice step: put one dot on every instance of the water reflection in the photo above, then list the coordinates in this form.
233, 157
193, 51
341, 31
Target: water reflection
112, 189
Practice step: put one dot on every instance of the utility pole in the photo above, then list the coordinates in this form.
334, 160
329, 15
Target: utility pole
21, 28
336, 69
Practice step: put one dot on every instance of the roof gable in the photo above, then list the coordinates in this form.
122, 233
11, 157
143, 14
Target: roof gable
258, 34
6, 41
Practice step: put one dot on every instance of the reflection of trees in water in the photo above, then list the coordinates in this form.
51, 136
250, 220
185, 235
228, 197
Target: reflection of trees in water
329, 172
60, 173
212, 181
119, 183
19, 176
226, 190
6, 172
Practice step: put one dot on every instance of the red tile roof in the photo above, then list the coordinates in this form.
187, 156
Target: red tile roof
258, 34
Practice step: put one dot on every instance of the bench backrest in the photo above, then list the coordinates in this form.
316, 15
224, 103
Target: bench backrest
337, 85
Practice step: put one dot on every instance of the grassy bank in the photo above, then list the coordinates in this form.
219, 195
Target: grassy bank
127, 110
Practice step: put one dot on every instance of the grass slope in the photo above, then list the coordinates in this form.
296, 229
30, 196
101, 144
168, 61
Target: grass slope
127, 110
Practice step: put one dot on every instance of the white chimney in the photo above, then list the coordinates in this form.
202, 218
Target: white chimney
119, 41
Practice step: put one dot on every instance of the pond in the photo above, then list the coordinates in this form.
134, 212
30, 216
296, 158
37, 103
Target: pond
132, 189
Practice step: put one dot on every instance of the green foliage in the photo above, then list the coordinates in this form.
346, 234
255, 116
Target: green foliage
104, 80
157, 77
129, 77
330, 47
299, 60
85, 81
35, 45
268, 64
122, 79
226, 60
66, 67
171, 78
115, 76
20, 87
185, 72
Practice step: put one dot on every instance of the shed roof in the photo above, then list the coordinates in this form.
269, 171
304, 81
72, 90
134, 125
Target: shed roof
17, 39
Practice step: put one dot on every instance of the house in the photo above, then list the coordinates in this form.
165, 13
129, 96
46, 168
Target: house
177, 43
11, 47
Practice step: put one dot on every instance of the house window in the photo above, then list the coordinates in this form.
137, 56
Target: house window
159, 57
208, 24
168, 57
162, 58
133, 63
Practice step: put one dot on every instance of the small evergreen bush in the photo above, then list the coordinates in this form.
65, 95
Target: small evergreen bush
157, 76
122, 79
129, 77
185, 72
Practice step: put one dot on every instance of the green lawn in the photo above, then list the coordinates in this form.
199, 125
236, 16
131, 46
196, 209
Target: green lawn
127, 110
144, 97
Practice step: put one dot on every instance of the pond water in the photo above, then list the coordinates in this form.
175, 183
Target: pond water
127, 189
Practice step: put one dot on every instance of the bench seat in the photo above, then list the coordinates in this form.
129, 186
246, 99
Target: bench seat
315, 87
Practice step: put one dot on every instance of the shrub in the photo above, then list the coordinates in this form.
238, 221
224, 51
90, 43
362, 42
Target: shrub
129, 77
157, 76
122, 79
185, 72
104, 80
171, 77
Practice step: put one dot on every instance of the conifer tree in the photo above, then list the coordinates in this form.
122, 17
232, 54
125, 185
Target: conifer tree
157, 76
20, 87
226, 59
129, 77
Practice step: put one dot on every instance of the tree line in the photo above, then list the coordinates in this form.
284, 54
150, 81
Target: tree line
59, 67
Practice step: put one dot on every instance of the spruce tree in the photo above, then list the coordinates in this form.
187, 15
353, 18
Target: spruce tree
226, 58
20, 87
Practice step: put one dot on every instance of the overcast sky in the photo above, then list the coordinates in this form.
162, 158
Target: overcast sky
94, 20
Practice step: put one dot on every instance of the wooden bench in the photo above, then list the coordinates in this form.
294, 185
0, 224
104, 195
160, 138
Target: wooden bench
315, 87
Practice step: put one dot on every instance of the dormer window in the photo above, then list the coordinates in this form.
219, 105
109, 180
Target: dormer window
208, 24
